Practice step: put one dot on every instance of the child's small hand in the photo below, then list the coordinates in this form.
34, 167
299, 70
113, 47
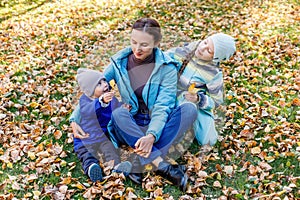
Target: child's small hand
108, 96
192, 97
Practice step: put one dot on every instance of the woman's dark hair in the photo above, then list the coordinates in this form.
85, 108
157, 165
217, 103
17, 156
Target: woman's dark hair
150, 26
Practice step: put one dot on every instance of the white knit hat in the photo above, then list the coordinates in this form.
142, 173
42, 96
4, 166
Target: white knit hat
224, 46
88, 80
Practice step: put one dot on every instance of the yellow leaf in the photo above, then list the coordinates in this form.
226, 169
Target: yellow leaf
281, 192
159, 198
36, 193
191, 88
57, 173
31, 155
269, 158
148, 167
73, 167
80, 186
9, 165
34, 104
63, 163
130, 189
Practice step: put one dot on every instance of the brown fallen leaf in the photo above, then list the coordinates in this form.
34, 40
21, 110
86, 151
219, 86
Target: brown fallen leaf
255, 150
217, 184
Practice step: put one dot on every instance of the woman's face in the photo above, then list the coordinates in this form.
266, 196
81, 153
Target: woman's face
205, 50
142, 44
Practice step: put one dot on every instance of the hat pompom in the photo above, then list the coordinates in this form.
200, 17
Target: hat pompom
224, 46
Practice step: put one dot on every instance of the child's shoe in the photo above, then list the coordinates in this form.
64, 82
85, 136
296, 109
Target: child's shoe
123, 167
95, 172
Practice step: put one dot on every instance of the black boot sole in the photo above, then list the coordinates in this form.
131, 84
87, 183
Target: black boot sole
136, 178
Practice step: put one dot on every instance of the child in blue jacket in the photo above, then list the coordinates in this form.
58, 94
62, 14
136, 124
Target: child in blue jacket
96, 104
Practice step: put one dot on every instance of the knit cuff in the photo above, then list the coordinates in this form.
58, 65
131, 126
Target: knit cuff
202, 99
103, 105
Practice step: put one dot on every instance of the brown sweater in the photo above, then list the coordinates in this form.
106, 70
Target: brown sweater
139, 72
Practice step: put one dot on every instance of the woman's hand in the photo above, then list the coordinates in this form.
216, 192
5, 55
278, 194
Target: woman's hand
192, 97
143, 146
78, 132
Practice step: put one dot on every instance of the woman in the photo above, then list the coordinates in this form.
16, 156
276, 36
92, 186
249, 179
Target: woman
200, 68
147, 81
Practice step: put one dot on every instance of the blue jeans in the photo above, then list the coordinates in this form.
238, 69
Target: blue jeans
128, 128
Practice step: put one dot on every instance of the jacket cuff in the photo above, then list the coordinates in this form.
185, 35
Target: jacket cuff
103, 105
150, 132
202, 100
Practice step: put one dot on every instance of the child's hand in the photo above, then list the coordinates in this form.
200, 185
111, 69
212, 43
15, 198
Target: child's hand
190, 96
108, 96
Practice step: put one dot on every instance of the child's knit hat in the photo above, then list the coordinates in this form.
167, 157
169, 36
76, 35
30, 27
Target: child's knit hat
224, 46
88, 80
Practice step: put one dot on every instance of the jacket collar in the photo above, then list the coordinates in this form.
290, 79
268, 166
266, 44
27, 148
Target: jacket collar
160, 57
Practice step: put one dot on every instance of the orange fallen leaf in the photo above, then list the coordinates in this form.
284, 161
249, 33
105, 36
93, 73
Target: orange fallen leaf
247, 134
296, 102
57, 134
66, 181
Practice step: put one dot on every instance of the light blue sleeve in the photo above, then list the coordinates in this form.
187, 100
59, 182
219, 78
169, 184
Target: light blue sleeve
75, 116
165, 101
109, 72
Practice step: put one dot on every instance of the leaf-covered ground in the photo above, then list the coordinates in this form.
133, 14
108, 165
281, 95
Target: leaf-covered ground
43, 42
